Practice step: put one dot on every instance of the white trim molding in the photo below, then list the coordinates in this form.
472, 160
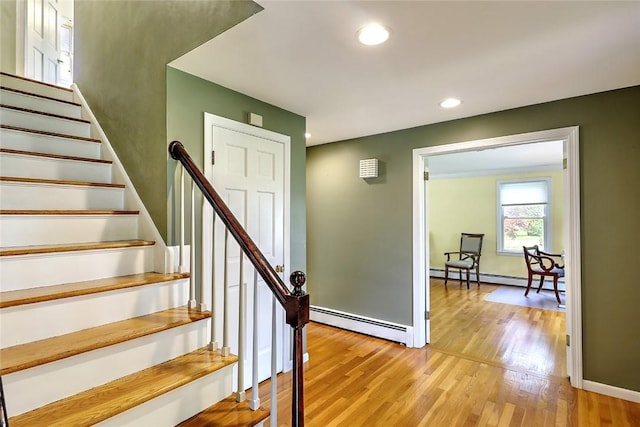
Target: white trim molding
609, 390
496, 279
571, 219
365, 325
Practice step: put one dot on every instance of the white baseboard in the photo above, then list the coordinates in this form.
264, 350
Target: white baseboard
288, 365
496, 279
364, 325
609, 390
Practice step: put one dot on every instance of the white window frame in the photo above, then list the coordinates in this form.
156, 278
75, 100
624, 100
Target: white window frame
500, 216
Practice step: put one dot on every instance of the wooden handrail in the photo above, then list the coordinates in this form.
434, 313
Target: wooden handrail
295, 304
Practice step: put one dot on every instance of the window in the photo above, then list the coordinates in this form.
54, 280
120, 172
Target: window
523, 208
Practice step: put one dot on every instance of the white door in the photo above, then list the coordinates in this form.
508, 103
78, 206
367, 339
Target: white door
249, 174
42, 42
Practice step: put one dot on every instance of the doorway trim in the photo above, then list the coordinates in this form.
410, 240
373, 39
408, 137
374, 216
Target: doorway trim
571, 220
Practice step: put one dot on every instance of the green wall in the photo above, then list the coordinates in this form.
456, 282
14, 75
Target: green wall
479, 198
190, 97
8, 36
359, 233
121, 52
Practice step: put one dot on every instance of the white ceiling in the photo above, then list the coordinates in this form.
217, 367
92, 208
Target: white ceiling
303, 56
534, 157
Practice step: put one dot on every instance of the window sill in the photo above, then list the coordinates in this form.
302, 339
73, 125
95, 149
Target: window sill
504, 253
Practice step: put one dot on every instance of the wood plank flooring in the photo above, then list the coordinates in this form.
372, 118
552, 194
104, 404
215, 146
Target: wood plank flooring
489, 364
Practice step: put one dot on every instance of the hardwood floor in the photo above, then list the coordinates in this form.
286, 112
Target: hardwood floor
489, 364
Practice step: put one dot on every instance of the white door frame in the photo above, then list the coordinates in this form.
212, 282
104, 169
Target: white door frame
207, 212
571, 220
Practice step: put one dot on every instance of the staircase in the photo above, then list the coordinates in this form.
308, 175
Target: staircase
94, 322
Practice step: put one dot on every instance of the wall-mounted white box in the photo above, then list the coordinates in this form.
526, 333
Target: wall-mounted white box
369, 168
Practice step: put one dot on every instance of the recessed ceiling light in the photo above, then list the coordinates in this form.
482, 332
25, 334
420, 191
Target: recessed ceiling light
373, 34
450, 103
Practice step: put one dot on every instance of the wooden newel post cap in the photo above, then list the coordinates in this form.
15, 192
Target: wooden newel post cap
297, 279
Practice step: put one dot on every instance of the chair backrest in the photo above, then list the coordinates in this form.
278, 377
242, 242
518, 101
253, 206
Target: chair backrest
531, 256
472, 243
538, 261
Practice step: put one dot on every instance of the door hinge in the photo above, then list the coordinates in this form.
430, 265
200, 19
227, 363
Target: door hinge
568, 340
426, 175
213, 157
427, 315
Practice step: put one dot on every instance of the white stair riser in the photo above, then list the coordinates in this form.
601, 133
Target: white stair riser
33, 322
177, 405
29, 230
38, 386
39, 89
23, 119
22, 166
57, 196
31, 271
45, 105
27, 141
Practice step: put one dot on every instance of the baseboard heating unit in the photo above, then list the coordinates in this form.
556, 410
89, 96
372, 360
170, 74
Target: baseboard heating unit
402, 334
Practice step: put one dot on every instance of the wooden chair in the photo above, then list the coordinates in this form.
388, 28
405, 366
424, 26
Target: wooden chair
468, 257
544, 265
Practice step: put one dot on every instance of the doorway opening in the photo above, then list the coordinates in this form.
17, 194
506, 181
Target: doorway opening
571, 233
44, 50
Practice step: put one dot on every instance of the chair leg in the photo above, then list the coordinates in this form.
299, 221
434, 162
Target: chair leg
555, 288
446, 274
460, 273
541, 283
530, 279
468, 278
478, 275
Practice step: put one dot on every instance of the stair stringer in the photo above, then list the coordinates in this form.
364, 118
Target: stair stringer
163, 256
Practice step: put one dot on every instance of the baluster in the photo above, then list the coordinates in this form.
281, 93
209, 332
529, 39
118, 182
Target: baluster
242, 315
226, 349
255, 393
192, 252
274, 364
213, 344
181, 268
203, 303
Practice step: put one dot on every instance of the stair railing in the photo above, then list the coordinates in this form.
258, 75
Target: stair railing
295, 303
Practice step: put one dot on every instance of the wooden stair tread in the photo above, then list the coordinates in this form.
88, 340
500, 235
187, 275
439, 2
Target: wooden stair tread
23, 92
58, 182
24, 356
47, 133
98, 404
69, 290
42, 113
227, 413
66, 89
53, 156
65, 212
44, 249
